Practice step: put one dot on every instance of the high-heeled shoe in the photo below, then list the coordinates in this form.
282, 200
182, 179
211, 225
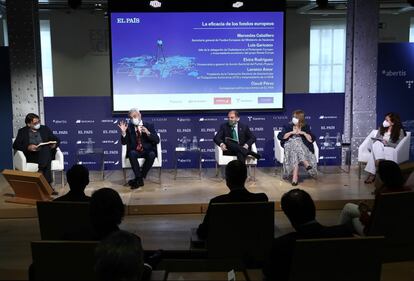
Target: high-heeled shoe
294, 183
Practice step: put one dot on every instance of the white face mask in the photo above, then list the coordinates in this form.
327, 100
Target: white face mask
386, 124
295, 120
36, 127
136, 121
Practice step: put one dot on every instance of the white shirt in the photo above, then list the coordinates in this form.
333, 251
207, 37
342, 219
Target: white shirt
387, 136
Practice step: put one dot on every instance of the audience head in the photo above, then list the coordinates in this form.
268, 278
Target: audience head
107, 211
77, 177
298, 206
298, 118
236, 174
33, 121
390, 174
119, 257
233, 117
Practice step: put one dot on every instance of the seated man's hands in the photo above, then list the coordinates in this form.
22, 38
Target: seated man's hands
32, 147
223, 146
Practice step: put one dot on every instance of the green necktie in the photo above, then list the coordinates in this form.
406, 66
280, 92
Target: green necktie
234, 134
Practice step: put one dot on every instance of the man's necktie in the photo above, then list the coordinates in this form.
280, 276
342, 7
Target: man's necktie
139, 142
234, 133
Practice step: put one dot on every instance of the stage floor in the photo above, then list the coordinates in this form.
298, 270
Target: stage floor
331, 190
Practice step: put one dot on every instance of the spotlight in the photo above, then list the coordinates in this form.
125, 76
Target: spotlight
155, 4
238, 4
98, 7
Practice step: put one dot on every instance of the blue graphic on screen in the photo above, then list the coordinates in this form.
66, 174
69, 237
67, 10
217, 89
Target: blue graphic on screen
197, 61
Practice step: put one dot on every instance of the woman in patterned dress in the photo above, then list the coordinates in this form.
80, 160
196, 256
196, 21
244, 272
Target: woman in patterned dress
297, 140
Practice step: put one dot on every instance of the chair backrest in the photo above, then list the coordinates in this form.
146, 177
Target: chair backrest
240, 230
64, 220
279, 151
393, 217
64, 260
337, 259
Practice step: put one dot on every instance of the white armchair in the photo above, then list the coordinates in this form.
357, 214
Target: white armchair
280, 151
399, 154
127, 165
57, 165
223, 160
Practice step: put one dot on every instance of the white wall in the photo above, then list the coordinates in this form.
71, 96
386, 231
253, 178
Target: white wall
81, 58
395, 28
80, 53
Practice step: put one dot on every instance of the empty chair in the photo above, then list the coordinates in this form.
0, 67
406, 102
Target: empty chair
64, 220
241, 231
334, 259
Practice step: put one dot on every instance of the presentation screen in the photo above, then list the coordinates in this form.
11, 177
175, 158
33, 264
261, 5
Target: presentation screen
175, 61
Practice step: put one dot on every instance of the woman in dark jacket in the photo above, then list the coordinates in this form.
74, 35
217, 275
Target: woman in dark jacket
297, 140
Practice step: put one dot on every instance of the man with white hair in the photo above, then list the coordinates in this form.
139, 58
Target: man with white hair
141, 140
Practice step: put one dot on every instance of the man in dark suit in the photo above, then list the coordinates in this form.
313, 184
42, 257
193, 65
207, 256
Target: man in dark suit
236, 175
78, 178
28, 139
235, 138
141, 140
299, 207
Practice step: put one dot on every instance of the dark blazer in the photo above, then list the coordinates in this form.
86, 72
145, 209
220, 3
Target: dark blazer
236, 195
278, 265
289, 128
149, 143
22, 140
245, 135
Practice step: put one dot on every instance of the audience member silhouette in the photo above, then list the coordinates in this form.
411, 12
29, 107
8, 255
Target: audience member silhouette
78, 178
299, 207
107, 212
236, 175
120, 256
358, 215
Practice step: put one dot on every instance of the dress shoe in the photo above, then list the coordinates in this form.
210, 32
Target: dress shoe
255, 155
132, 182
137, 183
294, 183
55, 193
140, 181
135, 186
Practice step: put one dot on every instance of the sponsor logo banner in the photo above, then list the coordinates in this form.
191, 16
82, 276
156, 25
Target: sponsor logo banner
81, 125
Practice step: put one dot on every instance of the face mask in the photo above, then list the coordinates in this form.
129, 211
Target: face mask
386, 124
295, 120
36, 127
232, 123
136, 121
